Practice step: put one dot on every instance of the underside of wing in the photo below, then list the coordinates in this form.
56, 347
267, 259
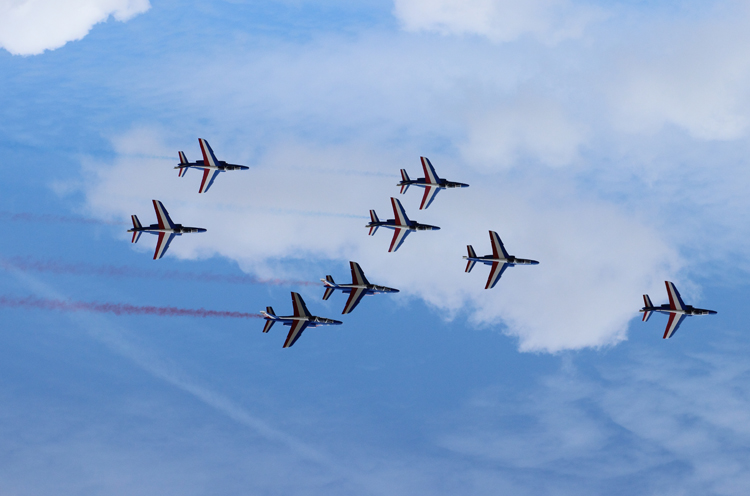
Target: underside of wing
208, 179
398, 239
358, 277
162, 244
675, 300
162, 216
495, 273
430, 192
498, 249
295, 332
298, 304
399, 213
674, 323
354, 298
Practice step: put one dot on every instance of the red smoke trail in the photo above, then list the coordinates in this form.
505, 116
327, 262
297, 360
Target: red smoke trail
58, 267
117, 308
56, 219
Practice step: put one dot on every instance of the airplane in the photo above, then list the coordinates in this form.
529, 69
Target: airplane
500, 260
401, 224
676, 309
210, 165
301, 320
164, 227
359, 287
430, 182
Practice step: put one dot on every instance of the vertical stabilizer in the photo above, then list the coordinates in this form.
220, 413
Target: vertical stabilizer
405, 179
374, 219
472, 254
136, 225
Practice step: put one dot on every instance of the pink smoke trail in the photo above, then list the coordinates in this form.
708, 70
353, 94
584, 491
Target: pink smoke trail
28, 264
33, 302
56, 219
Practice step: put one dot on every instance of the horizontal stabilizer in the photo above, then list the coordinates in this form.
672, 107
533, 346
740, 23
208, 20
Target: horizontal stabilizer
647, 315
375, 220
472, 254
269, 325
183, 158
328, 293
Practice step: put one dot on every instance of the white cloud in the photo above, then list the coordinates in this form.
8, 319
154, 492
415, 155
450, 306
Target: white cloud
498, 20
29, 27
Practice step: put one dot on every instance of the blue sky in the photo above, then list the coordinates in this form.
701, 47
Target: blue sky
608, 140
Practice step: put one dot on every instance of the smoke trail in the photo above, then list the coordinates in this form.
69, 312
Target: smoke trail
28, 264
117, 308
56, 219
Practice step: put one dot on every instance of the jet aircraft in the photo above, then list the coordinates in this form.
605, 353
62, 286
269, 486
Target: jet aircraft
500, 260
301, 320
430, 182
165, 228
210, 165
676, 309
401, 224
359, 287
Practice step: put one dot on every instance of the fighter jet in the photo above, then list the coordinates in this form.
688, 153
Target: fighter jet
401, 224
430, 182
676, 309
500, 260
359, 287
164, 227
301, 320
210, 166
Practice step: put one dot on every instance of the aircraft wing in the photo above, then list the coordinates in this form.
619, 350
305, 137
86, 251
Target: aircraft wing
208, 154
208, 179
430, 192
162, 216
295, 332
429, 171
398, 239
498, 249
162, 244
358, 277
495, 272
354, 298
399, 212
300, 309
675, 300
674, 322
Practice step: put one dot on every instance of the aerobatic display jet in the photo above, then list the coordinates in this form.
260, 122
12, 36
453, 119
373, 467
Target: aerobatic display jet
430, 182
165, 228
676, 309
401, 224
500, 260
359, 287
301, 320
210, 166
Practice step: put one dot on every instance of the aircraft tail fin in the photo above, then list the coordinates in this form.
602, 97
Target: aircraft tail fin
647, 304
472, 254
329, 284
136, 225
375, 220
183, 161
404, 178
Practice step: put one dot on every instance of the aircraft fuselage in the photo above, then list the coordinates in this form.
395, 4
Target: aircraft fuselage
688, 310
423, 183
178, 229
412, 225
312, 321
223, 166
370, 288
489, 260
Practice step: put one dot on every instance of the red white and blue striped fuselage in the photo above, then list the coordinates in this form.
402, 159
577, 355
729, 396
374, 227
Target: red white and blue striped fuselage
359, 288
401, 225
430, 182
210, 166
164, 228
676, 309
301, 320
499, 260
